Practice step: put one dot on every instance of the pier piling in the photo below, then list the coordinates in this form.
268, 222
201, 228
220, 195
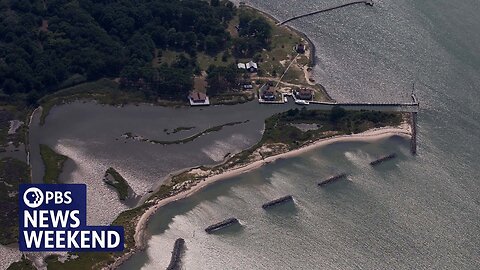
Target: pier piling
413, 140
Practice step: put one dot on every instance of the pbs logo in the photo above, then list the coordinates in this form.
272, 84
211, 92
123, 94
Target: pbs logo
33, 197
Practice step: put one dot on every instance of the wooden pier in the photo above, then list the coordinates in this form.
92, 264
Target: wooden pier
367, 2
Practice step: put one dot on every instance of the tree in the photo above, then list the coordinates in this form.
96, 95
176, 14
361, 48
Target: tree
222, 79
337, 113
97, 38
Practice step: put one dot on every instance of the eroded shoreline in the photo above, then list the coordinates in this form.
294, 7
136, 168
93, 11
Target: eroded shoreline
140, 235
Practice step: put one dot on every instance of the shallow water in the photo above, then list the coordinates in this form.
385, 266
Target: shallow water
419, 212
91, 136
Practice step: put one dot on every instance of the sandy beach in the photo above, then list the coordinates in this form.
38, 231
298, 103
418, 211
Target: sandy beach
368, 136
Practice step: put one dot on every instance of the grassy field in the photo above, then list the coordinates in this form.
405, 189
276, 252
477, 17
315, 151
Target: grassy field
279, 128
12, 173
118, 182
53, 164
282, 46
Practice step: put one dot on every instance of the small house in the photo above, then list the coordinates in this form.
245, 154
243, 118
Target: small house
198, 98
304, 94
241, 66
300, 48
251, 66
268, 94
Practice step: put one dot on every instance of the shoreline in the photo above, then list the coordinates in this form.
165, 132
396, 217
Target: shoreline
312, 49
140, 235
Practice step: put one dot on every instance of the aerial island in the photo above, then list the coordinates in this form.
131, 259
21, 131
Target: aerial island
167, 53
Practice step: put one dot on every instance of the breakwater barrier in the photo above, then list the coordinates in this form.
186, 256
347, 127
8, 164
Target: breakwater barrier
332, 179
284, 199
222, 224
178, 249
367, 2
413, 140
383, 159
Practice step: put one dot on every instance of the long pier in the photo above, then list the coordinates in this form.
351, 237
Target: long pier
366, 2
176, 254
413, 140
367, 104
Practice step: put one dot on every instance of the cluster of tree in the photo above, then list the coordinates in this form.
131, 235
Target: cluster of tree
254, 35
222, 79
167, 81
45, 44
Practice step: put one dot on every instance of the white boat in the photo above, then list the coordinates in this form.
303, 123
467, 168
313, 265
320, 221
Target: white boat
301, 102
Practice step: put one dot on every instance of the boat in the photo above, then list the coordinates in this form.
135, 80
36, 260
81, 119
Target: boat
301, 102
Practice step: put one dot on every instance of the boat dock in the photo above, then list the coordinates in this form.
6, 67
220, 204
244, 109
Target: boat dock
332, 179
277, 201
222, 224
178, 248
383, 159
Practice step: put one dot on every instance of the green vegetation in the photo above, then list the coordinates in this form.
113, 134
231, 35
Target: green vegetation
53, 164
278, 130
222, 79
280, 45
254, 35
114, 179
48, 45
281, 136
338, 121
130, 135
85, 260
12, 173
98, 260
23, 264
153, 49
